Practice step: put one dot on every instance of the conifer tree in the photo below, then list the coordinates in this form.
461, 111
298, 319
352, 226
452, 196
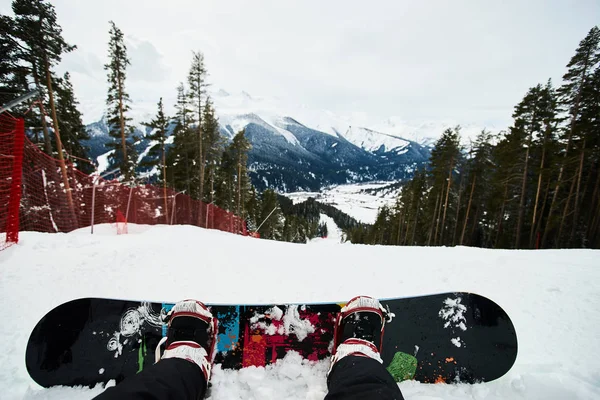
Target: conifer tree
271, 216
212, 146
181, 154
477, 173
158, 152
13, 72
42, 45
197, 89
239, 148
579, 71
70, 122
444, 157
117, 102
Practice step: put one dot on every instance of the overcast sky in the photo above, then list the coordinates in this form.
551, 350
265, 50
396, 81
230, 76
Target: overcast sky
469, 61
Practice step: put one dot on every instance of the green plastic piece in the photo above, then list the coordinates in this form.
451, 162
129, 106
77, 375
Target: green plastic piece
141, 355
403, 367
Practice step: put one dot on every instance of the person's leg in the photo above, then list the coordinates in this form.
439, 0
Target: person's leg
169, 379
183, 370
357, 371
357, 377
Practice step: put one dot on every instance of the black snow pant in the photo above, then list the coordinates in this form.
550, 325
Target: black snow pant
352, 378
168, 379
361, 378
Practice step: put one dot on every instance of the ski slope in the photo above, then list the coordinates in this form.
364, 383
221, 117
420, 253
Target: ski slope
553, 298
352, 199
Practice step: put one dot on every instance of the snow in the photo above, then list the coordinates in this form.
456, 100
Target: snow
334, 233
552, 297
351, 199
389, 131
103, 162
372, 141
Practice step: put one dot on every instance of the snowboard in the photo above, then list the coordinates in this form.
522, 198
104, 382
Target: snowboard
448, 337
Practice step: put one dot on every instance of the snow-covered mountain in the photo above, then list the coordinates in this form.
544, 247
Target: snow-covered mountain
296, 149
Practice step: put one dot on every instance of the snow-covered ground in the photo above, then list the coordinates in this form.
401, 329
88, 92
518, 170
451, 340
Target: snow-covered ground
334, 233
553, 298
351, 199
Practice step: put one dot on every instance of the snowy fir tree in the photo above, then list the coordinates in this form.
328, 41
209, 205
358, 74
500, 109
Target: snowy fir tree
117, 101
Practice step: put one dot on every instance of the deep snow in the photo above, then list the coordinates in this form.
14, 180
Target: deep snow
553, 298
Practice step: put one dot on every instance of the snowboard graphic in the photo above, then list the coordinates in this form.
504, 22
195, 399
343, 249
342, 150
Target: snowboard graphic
449, 337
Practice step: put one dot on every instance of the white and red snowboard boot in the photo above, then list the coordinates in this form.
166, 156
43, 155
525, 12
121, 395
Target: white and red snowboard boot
191, 335
359, 329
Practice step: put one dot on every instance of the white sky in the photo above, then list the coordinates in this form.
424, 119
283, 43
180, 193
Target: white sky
470, 61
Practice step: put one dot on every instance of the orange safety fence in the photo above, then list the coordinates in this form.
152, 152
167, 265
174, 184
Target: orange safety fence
33, 196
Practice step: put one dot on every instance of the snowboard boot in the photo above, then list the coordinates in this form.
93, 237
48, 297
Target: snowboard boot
191, 335
359, 329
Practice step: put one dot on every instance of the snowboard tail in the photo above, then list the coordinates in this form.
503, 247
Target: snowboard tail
449, 337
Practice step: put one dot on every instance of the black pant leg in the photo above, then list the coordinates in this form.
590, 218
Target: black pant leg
361, 378
169, 379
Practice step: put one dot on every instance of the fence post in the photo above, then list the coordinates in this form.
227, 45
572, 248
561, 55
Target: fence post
128, 203
14, 202
94, 181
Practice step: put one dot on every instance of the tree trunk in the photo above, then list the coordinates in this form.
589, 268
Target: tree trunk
462, 236
501, 218
200, 155
595, 207
164, 169
61, 159
446, 202
538, 225
239, 193
47, 142
537, 197
412, 200
553, 204
187, 171
414, 232
577, 189
122, 122
565, 213
570, 135
400, 217
522, 199
461, 189
433, 224
438, 219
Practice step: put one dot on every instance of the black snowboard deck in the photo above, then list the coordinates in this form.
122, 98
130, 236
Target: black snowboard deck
448, 337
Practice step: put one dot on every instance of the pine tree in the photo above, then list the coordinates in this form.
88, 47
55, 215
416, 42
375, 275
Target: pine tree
42, 45
212, 146
544, 146
37, 28
197, 89
589, 221
224, 181
13, 72
72, 129
528, 123
580, 69
239, 148
181, 155
444, 157
117, 102
158, 153
271, 217
477, 173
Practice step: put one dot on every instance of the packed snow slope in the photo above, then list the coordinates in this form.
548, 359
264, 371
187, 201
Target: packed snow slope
553, 298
